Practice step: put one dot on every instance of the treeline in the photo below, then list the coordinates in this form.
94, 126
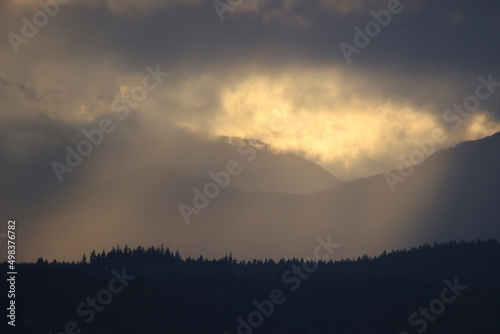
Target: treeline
171, 294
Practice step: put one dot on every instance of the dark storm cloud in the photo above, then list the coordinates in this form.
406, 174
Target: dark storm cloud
453, 41
430, 34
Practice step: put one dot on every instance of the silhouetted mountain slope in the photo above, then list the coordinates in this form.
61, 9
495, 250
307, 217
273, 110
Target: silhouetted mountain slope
453, 195
469, 191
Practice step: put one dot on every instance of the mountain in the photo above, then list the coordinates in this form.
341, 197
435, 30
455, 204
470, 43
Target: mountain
452, 195
24, 182
263, 169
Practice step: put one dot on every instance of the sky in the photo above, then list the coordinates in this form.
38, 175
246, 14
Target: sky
155, 94
235, 66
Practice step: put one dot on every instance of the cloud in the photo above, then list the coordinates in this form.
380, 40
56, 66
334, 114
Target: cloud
228, 77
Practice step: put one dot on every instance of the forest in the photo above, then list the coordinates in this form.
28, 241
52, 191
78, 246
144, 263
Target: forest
451, 287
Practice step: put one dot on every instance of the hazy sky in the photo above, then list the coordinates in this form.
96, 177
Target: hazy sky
230, 77
350, 85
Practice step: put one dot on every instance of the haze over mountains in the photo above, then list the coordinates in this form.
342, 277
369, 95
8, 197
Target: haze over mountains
453, 195
185, 148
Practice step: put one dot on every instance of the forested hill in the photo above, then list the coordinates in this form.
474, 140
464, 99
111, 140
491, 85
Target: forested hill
155, 290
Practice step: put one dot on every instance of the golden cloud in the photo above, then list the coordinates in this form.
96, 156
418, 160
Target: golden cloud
330, 119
